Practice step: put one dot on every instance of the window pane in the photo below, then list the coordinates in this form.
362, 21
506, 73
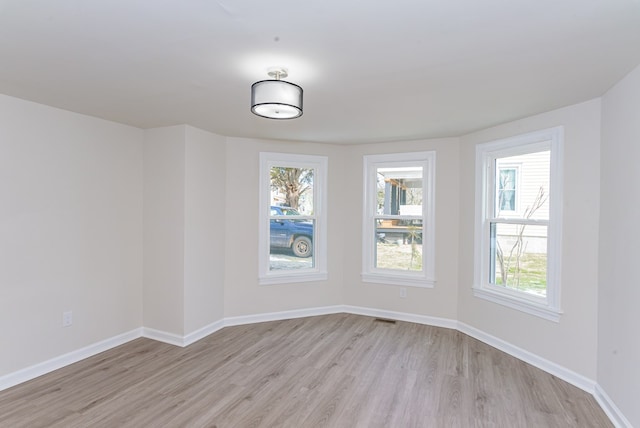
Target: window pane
507, 189
399, 244
522, 186
292, 187
291, 241
519, 257
291, 244
399, 190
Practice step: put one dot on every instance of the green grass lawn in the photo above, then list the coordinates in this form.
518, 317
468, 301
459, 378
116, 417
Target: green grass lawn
399, 256
532, 277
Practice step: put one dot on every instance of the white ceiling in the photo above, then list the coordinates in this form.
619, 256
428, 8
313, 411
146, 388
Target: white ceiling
371, 70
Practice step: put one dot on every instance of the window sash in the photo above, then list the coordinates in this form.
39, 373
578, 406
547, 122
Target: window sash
525, 221
292, 217
371, 272
318, 269
487, 215
492, 219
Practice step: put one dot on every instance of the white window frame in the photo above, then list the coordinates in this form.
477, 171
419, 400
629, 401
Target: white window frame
549, 139
319, 271
370, 273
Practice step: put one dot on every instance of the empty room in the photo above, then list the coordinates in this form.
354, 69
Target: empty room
319, 214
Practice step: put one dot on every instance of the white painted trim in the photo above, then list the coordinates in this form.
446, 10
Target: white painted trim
401, 316
398, 279
578, 380
561, 372
284, 315
371, 163
321, 166
203, 332
609, 407
517, 302
327, 310
551, 139
182, 341
550, 367
163, 336
306, 275
32, 372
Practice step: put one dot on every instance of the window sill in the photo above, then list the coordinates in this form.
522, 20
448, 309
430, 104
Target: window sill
521, 304
398, 280
289, 277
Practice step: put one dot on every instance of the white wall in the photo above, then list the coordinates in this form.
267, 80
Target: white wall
619, 296
243, 295
440, 301
70, 231
184, 229
164, 187
105, 220
205, 229
571, 343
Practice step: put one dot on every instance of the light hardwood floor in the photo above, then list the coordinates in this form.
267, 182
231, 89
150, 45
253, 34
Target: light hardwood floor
328, 371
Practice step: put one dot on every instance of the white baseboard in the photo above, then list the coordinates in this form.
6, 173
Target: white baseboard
336, 309
284, 315
163, 336
401, 316
561, 372
609, 407
557, 370
202, 332
582, 382
32, 372
182, 341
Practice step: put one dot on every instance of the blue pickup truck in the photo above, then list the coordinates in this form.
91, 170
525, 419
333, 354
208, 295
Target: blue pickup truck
296, 235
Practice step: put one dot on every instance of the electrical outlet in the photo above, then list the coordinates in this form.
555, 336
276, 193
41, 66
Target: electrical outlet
403, 292
67, 318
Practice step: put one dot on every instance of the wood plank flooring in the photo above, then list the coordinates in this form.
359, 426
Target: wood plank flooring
328, 371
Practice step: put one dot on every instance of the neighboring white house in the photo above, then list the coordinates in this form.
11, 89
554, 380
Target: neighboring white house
522, 188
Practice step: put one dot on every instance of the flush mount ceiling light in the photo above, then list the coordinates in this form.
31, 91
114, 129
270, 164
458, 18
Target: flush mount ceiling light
275, 98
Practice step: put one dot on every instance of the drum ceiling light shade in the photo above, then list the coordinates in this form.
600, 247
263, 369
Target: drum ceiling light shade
275, 98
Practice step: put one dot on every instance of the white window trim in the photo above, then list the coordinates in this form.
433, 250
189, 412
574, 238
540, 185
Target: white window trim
370, 273
549, 307
319, 271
